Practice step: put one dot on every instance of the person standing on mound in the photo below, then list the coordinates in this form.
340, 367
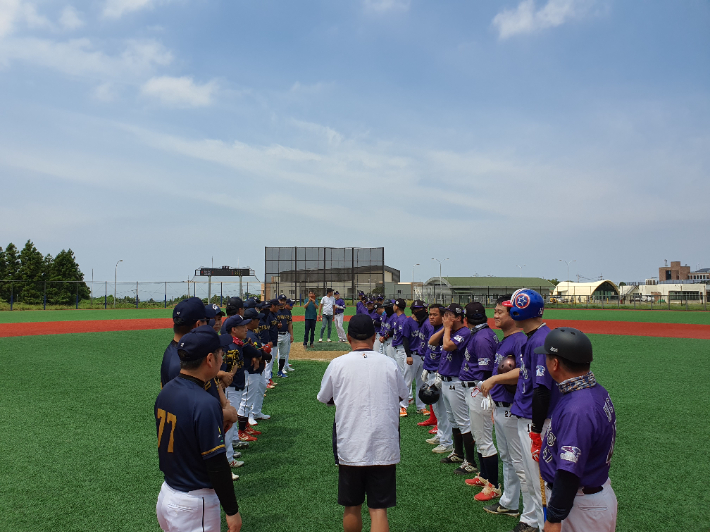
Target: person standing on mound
366, 448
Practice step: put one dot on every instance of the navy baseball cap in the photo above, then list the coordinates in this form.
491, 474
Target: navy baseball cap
198, 343
380, 298
212, 311
455, 309
290, 302
252, 314
361, 327
273, 302
282, 297
235, 321
251, 303
224, 341
188, 311
475, 311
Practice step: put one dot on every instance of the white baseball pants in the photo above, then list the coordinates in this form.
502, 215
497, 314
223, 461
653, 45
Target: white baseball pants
481, 422
235, 398
192, 511
389, 350
511, 454
592, 513
246, 404
377, 347
259, 396
415, 371
284, 348
339, 327
532, 469
400, 356
443, 425
454, 396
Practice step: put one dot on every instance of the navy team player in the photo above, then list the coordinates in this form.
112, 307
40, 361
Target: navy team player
191, 448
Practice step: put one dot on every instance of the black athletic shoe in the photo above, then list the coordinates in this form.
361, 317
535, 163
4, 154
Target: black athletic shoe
240, 445
501, 510
453, 458
466, 469
523, 527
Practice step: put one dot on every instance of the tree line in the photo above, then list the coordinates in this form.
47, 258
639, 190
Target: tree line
39, 273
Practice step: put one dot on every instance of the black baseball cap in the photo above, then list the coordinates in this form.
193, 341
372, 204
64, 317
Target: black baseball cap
272, 303
252, 314
475, 311
401, 303
455, 309
235, 321
198, 343
361, 327
388, 303
282, 297
568, 343
328, 290
235, 303
336, 293
417, 303
188, 311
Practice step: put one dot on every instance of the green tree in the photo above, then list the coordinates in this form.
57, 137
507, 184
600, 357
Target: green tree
31, 272
554, 281
65, 268
12, 271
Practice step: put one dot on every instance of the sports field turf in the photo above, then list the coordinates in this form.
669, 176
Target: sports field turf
78, 446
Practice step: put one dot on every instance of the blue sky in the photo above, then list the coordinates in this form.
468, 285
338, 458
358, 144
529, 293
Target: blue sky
497, 134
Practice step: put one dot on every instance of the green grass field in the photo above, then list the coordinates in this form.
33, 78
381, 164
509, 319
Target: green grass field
78, 448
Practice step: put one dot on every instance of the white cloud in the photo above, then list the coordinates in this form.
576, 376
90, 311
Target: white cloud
106, 92
527, 19
70, 19
117, 8
180, 92
9, 10
81, 57
380, 6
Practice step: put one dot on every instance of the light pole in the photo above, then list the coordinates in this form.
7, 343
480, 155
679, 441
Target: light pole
440, 282
568, 262
521, 269
417, 264
115, 275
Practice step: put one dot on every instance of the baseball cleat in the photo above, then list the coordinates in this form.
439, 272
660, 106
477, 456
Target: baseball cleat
236, 463
237, 455
270, 387
290, 367
235, 477
465, 469
252, 431
477, 481
281, 374
434, 430
434, 440
237, 444
252, 421
402, 412
243, 436
320, 339
453, 458
490, 492
441, 449
500, 510
427, 423
423, 412
524, 527
262, 416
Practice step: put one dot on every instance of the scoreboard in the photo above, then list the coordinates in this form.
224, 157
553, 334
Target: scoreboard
224, 271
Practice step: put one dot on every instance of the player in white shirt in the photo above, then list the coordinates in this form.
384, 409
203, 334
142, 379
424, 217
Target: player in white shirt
366, 447
325, 312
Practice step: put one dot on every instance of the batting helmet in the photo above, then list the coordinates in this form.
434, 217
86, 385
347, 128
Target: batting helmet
568, 343
429, 394
526, 304
505, 366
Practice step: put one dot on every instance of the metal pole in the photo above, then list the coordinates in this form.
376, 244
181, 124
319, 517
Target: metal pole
209, 289
115, 275
136, 294
166, 294
105, 294
220, 293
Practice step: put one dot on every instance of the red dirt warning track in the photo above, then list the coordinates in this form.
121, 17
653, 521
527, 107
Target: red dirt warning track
623, 328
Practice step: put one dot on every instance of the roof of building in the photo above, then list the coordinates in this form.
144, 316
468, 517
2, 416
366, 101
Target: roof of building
502, 282
581, 289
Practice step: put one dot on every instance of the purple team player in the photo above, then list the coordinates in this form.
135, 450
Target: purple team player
579, 444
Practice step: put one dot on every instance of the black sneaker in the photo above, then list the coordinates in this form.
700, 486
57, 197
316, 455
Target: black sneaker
523, 527
501, 510
453, 458
466, 469
240, 445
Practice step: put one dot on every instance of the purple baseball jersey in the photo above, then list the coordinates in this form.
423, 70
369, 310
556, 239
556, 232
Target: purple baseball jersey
510, 345
386, 325
479, 354
529, 366
376, 320
432, 353
415, 341
360, 308
451, 361
425, 331
398, 332
581, 437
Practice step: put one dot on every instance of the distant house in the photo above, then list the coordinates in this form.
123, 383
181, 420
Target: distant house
482, 289
586, 291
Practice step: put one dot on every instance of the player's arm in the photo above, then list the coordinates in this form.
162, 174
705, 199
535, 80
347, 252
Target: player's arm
435, 339
448, 344
564, 490
542, 393
325, 395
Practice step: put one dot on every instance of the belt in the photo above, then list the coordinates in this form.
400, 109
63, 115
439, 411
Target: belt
503, 404
283, 333
448, 379
587, 490
469, 384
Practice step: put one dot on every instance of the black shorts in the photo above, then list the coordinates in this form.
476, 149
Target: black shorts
379, 483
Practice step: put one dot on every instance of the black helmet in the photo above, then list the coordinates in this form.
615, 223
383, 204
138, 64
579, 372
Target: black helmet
568, 343
429, 394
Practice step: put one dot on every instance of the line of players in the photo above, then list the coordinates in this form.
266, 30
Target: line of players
486, 382
254, 337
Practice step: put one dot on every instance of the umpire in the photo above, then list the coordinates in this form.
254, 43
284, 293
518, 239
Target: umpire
580, 442
191, 448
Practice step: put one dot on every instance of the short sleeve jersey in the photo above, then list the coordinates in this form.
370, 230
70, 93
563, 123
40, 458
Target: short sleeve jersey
415, 340
366, 388
581, 437
170, 368
451, 361
233, 358
340, 302
253, 340
360, 308
189, 422
479, 354
284, 318
386, 325
432, 355
533, 373
510, 345
398, 329
424, 333
377, 320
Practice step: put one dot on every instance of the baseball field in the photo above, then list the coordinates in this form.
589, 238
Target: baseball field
78, 451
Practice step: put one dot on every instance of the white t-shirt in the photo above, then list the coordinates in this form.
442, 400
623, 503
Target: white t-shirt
327, 303
367, 388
